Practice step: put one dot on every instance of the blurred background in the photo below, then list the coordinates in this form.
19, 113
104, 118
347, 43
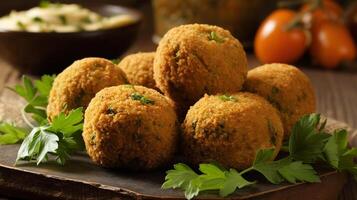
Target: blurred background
322, 33
318, 36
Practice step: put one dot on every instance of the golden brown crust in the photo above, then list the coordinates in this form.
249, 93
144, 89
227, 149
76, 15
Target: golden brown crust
230, 132
287, 88
138, 68
79, 83
122, 132
188, 64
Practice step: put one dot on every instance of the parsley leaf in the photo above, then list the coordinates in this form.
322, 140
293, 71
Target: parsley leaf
297, 171
37, 145
44, 4
179, 177
306, 143
63, 19
10, 134
212, 178
283, 170
143, 99
338, 154
45, 84
68, 124
215, 37
36, 96
37, 19
227, 98
26, 90
263, 164
21, 25
59, 138
233, 181
115, 61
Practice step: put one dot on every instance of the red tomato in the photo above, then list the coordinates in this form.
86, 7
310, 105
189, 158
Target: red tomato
331, 44
329, 10
273, 43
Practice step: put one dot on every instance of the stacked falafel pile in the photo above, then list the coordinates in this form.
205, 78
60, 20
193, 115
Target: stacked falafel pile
197, 77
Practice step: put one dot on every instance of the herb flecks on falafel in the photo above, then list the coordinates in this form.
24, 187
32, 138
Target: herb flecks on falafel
191, 60
129, 133
286, 88
230, 132
79, 83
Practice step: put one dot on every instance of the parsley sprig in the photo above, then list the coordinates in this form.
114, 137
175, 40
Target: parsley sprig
58, 138
215, 37
308, 143
227, 98
36, 95
11, 134
143, 99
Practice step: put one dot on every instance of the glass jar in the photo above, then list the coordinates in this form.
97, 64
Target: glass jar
241, 17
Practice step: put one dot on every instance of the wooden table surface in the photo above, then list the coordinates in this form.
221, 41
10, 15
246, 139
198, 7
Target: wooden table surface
336, 91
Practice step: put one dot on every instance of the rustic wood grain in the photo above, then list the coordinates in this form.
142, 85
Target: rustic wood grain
81, 179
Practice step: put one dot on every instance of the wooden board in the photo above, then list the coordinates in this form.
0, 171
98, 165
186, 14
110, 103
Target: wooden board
81, 179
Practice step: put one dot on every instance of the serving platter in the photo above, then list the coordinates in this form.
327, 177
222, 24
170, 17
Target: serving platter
81, 179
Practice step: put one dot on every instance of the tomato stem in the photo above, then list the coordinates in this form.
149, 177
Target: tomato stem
297, 20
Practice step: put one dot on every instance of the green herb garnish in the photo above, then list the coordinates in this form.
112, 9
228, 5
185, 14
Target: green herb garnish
227, 98
308, 143
36, 95
339, 155
11, 134
115, 61
143, 99
37, 19
214, 36
44, 4
21, 25
58, 138
212, 178
86, 20
63, 19
284, 170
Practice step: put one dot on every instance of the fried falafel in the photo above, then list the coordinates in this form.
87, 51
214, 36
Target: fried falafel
79, 83
230, 129
192, 60
130, 127
138, 68
285, 87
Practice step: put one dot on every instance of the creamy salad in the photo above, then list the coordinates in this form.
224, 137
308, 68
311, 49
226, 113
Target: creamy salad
55, 17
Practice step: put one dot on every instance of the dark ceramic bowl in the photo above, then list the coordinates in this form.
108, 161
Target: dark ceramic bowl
46, 53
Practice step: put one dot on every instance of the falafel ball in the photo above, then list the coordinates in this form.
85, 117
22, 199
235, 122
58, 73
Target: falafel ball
193, 60
139, 69
287, 88
79, 83
231, 129
130, 127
